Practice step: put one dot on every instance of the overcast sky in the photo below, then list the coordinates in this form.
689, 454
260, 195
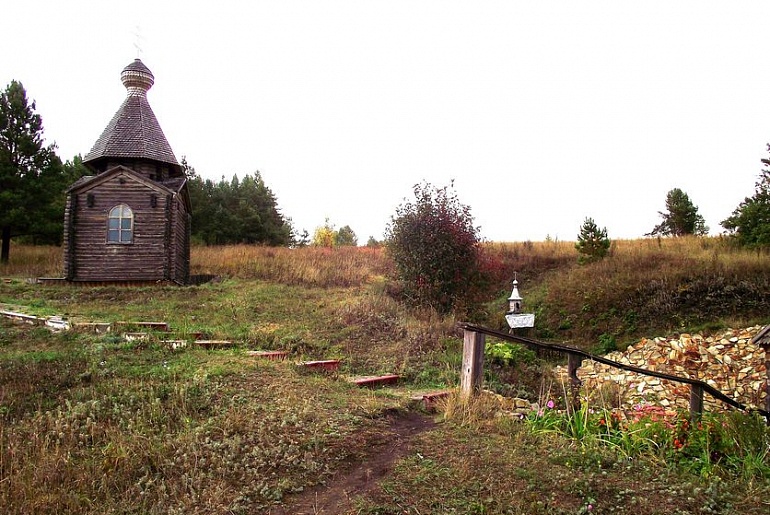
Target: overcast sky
542, 112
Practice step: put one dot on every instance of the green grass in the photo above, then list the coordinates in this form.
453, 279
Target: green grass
92, 423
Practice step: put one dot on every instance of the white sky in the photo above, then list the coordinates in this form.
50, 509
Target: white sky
542, 112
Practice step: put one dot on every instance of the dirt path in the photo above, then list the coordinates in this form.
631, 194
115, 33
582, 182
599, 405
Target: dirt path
334, 497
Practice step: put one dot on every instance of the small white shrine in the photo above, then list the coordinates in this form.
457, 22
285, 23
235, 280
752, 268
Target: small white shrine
514, 316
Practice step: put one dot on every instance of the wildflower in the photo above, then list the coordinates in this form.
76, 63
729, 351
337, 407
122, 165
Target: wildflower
550, 404
590, 507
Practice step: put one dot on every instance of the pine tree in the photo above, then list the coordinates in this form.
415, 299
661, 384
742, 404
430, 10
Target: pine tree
680, 218
31, 175
345, 237
592, 242
750, 222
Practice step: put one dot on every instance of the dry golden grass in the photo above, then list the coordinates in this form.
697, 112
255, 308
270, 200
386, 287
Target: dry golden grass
33, 261
350, 266
313, 266
93, 424
646, 285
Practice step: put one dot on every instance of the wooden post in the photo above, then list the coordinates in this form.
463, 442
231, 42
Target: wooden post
573, 364
696, 402
762, 338
473, 363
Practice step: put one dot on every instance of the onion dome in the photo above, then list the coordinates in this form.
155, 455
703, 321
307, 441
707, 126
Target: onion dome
137, 78
134, 131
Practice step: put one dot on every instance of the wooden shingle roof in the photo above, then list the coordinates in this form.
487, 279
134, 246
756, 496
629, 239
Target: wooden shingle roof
134, 131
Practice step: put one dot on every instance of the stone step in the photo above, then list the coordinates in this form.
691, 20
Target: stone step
272, 355
327, 365
375, 381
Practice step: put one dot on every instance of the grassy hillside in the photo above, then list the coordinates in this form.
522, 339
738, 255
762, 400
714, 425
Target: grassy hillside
645, 287
94, 423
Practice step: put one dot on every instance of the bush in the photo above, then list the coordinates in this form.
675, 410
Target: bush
435, 248
509, 354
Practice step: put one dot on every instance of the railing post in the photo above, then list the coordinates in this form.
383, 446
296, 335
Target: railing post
762, 340
573, 364
473, 363
696, 402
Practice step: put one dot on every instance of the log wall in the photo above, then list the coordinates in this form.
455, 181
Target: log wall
96, 260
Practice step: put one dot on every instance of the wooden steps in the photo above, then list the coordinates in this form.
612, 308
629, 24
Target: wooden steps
96, 327
175, 344
326, 365
55, 323
375, 381
430, 400
132, 337
272, 355
22, 317
151, 326
141, 331
215, 344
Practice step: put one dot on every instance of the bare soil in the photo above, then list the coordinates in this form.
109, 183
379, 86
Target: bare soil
335, 497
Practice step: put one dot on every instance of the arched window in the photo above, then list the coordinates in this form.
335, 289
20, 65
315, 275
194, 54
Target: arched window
120, 224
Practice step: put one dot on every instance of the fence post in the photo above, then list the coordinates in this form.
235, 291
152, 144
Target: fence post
573, 364
696, 402
761, 339
473, 363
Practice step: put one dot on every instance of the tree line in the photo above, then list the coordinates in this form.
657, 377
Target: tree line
34, 180
236, 211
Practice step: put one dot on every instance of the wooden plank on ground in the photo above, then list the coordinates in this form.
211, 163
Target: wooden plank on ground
375, 381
